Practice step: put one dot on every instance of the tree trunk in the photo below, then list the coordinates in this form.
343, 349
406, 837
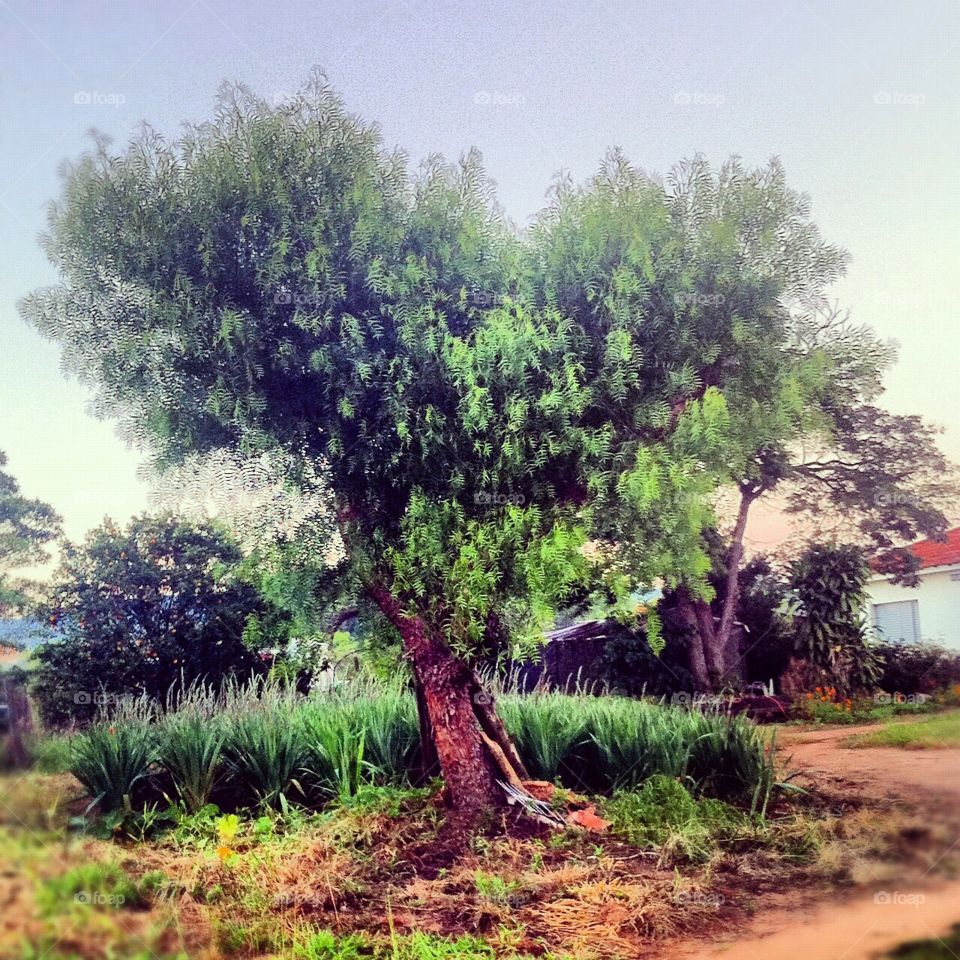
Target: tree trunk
715, 632
696, 660
470, 742
429, 761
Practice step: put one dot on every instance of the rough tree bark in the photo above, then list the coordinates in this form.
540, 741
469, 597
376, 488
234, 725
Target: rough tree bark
472, 746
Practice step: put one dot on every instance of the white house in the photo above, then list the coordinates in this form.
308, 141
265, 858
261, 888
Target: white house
929, 611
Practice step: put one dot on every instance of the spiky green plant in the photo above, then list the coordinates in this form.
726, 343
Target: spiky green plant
111, 760
266, 753
191, 751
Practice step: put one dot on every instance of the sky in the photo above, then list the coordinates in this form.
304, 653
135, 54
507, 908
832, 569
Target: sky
860, 101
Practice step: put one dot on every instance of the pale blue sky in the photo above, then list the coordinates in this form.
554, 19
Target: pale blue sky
860, 100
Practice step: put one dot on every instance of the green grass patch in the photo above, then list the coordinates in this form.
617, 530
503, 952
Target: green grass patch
940, 948
663, 815
931, 733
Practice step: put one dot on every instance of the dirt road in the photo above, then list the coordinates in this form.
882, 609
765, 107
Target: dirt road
865, 923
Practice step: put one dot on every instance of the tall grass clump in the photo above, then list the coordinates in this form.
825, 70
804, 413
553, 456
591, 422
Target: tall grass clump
261, 742
367, 734
608, 744
114, 757
549, 731
264, 747
191, 737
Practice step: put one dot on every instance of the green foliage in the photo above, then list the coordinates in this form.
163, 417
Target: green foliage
98, 886
191, 750
266, 752
112, 760
601, 744
911, 668
140, 609
26, 526
359, 745
829, 581
939, 948
324, 945
663, 814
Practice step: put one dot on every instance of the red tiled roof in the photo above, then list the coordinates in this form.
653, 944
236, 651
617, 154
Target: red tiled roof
934, 554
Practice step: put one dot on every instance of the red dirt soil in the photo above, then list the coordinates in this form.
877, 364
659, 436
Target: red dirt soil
864, 924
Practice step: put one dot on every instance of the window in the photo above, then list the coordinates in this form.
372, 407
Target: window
897, 621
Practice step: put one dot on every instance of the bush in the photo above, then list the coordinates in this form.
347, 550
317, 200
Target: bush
829, 581
140, 609
112, 760
190, 750
916, 667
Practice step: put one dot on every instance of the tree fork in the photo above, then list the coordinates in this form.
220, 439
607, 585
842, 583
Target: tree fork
471, 760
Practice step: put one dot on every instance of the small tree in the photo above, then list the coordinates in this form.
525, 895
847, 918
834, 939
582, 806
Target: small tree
139, 609
829, 581
26, 526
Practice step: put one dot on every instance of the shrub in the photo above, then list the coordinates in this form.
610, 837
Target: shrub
263, 743
139, 609
916, 667
829, 581
191, 751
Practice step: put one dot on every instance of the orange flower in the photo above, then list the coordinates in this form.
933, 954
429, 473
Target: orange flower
224, 853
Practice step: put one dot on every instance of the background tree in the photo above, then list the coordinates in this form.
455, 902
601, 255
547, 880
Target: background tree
26, 527
716, 282
143, 608
829, 581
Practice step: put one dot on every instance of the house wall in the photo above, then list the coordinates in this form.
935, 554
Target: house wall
938, 603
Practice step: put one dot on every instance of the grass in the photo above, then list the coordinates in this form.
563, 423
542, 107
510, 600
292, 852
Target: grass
663, 816
262, 744
940, 948
384, 876
934, 732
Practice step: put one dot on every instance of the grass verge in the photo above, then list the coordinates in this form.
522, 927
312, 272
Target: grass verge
931, 733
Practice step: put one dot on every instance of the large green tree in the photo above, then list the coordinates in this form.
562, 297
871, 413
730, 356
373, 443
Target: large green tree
731, 295
498, 422
275, 280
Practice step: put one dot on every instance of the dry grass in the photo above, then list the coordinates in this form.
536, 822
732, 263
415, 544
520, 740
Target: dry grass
387, 872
